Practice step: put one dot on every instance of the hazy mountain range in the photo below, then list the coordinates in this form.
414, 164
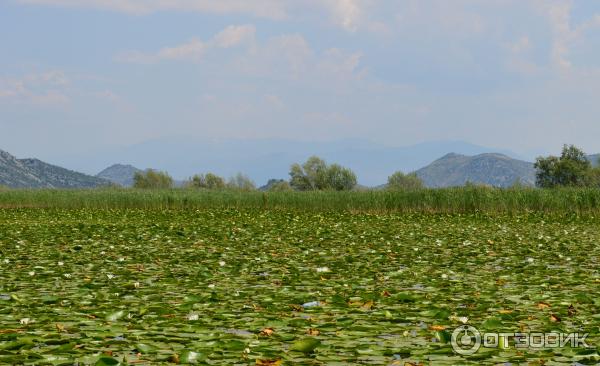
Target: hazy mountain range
265, 159
270, 159
492, 169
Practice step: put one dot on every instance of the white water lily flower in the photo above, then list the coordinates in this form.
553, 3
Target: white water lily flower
323, 269
222, 263
193, 316
444, 276
6, 260
530, 260
212, 285
61, 263
110, 276
25, 321
67, 275
32, 273
136, 284
461, 319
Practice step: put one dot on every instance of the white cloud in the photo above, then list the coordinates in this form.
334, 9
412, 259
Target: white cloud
455, 18
566, 34
194, 50
559, 16
234, 35
48, 88
346, 13
291, 57
272, 9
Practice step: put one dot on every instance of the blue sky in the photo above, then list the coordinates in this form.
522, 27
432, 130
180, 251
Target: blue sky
79, 75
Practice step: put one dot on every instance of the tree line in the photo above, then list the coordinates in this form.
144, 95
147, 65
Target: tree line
571, 169
313, 175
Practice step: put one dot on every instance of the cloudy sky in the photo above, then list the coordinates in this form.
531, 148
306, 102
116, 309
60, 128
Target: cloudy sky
90, 74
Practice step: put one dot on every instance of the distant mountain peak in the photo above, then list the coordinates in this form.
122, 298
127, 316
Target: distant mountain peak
492, 169
121, 174
451, 155
34, 173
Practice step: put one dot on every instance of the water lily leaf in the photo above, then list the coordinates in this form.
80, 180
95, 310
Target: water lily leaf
106, 361
306, 345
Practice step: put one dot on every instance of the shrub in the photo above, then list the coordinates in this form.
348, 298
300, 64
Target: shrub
241, 182
152, 179
400, 181
208, 181
315, 174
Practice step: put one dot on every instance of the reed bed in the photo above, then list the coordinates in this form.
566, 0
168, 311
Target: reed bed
448, 200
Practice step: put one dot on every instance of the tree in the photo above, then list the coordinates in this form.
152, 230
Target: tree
400, 181
152, 179
315, 174
208, 181
309, 176
241, 182
339, 178
571, 169
276, 185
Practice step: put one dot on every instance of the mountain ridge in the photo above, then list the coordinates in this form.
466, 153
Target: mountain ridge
34, 173
121, 174
492, 169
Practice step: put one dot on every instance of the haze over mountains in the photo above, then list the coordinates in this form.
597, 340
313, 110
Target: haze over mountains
262, 160
270, 159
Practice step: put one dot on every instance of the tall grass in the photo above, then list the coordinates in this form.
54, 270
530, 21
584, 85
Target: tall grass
451, 200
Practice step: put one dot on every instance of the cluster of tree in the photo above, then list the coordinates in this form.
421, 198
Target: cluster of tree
316, 174
206, 181
401, 182
277, 185
571, 169
241, 182
152, 179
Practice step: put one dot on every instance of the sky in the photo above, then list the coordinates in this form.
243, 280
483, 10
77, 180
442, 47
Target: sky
83, 75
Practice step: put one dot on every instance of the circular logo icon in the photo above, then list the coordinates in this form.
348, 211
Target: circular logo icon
466, 340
